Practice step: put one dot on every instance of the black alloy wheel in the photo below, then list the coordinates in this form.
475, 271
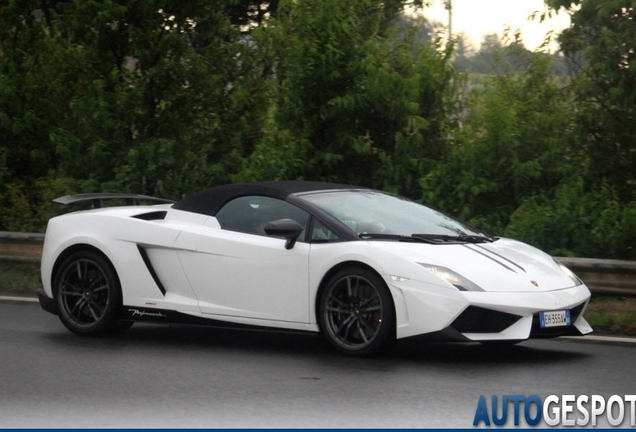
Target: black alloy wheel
356, 312
88, 295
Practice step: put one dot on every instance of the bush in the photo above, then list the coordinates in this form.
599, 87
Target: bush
576, 222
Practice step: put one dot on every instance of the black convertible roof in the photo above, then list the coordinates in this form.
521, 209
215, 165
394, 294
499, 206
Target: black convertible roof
209, 201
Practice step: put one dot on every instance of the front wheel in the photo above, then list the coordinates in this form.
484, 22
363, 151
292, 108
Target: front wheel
88, 295
356, 312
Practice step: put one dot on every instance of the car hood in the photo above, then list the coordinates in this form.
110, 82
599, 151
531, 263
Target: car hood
502, 266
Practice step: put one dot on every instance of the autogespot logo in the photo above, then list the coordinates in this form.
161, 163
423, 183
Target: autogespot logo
565, 410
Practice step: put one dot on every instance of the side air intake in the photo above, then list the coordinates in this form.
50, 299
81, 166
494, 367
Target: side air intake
153, 273
156, 215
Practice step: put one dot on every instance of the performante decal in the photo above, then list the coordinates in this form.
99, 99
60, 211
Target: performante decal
136, 313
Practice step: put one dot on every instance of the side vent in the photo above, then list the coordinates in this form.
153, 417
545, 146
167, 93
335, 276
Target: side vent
153, 273
156, 215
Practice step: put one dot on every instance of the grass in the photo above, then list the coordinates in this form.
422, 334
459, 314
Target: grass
612, 315
19, 276
606, 315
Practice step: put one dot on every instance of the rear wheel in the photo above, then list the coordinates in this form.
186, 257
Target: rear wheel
88, 295
356, 312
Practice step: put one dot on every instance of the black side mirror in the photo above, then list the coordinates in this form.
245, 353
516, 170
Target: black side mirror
286, 228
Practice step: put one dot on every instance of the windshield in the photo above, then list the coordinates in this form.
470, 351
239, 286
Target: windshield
371, 212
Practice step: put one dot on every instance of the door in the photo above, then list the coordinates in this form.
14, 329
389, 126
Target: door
239, 271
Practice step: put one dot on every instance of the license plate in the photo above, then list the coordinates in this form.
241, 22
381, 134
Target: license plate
555, 318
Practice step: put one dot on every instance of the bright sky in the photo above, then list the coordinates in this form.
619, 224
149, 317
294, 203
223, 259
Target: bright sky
477, 18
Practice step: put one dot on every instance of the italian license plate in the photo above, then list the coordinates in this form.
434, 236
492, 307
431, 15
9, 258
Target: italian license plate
555, 318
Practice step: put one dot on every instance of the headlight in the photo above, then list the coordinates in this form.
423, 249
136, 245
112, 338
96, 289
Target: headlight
453, 278
577, 281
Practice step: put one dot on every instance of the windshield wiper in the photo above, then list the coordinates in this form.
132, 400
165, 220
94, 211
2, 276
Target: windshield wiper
465, 238
398, 237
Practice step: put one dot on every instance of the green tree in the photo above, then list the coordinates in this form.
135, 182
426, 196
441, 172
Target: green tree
158, 97
32, 97
248, 14
604, 30
356, 99
165, 96
517, 141
571, 220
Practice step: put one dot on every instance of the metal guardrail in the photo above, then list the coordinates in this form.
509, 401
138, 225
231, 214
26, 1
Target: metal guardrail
603, 277
21, 247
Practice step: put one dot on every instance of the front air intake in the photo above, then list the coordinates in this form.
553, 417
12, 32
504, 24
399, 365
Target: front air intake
479, 320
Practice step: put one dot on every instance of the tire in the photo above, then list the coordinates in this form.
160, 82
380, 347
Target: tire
356, 312
88, 295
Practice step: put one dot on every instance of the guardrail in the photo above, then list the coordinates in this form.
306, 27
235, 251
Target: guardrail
603, 277
21, 247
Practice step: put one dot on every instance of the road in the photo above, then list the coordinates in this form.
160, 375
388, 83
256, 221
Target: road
160, 376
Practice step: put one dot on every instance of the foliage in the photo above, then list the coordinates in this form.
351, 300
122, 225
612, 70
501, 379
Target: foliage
517, 141
501, 56
30, 97
169, 103
356, 101
574, 222
606, 86
165, 97
156, 97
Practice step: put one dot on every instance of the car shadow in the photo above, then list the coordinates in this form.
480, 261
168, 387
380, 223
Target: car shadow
296, 344
525, 353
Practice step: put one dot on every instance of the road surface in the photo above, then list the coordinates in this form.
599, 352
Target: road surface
161, 376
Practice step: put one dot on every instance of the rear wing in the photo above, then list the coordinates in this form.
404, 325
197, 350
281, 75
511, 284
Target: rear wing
99, 198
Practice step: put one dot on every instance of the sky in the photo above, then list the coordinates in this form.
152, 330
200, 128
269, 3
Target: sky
477, 18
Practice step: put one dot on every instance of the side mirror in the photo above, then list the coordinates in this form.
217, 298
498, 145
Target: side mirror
287, 228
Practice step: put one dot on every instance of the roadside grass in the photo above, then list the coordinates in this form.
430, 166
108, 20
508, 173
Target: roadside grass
606, 315
612, 315
19, 276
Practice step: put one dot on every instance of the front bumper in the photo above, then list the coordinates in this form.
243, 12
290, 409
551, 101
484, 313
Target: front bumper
47, 303
488, 316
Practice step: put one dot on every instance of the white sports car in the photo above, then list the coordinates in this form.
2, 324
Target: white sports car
361, 266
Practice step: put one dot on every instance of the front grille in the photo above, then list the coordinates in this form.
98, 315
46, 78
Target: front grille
479, 320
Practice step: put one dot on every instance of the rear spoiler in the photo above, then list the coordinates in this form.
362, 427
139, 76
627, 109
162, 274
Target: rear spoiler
99, 198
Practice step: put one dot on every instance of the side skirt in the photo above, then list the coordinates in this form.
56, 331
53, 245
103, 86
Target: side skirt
164, 316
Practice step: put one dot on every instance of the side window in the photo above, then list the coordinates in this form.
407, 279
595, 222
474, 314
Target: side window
320, 233
249, 214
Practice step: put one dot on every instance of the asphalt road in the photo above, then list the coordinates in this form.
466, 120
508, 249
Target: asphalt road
159, 376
